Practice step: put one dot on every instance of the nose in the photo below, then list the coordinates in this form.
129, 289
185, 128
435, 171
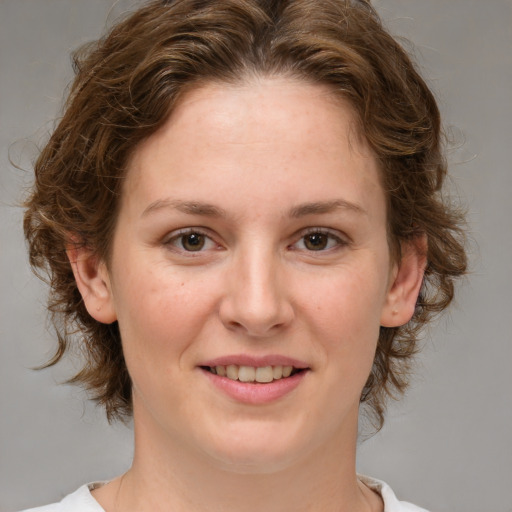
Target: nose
256, 299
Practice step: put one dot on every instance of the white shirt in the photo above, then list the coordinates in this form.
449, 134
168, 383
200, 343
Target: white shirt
82, 500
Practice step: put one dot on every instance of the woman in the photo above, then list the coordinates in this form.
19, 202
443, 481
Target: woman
240, 212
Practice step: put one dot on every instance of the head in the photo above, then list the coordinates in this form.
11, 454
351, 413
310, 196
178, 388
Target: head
129, 84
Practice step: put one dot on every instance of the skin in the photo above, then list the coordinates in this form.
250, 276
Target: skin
259, 155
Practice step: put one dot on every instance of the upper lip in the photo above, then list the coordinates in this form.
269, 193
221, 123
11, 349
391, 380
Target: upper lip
255, 361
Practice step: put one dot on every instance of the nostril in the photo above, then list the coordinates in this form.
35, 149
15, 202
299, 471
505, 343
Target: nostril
255, 329
256, 316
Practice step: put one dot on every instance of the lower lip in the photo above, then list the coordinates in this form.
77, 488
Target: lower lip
253, 392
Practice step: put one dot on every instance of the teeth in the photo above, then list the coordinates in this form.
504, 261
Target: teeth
232, 372
246, 374
251, 374
265, 374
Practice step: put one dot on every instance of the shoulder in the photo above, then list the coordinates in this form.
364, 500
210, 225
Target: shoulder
79, 501
391, 502
82, 500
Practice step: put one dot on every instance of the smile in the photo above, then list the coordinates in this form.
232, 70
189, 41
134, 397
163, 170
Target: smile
255, 380
262, 374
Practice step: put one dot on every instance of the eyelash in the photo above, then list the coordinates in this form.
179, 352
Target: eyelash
331, 237
176, 240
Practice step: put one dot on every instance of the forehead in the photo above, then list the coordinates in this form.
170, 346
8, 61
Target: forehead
254, 110
274, 130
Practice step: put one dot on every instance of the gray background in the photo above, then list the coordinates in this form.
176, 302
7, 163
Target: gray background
448, 446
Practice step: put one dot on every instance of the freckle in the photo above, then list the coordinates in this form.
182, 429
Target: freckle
182, 284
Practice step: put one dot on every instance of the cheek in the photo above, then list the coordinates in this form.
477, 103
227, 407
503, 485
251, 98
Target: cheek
352, 297
160, 314
343, 315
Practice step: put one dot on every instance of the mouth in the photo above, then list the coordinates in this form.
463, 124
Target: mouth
251, 380
254, 374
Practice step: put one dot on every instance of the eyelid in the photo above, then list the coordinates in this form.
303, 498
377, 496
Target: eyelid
341, 239
178, 233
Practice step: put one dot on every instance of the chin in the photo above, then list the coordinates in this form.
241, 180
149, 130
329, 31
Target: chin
259, 450
252, 461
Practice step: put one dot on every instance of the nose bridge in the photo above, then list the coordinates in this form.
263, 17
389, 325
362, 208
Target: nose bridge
256, 300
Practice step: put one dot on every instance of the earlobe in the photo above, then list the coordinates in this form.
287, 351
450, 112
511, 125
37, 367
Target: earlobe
93, 282
405, 285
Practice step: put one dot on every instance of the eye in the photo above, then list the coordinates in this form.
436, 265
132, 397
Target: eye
190, 241
319, 240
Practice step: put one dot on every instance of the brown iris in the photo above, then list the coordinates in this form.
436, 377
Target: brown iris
316, 241
193, 241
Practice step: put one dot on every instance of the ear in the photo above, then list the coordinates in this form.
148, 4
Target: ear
405, 283
93, 282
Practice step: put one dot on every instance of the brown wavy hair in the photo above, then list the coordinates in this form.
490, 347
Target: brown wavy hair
125, 88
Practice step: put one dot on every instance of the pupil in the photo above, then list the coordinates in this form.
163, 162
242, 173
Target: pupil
193, 242
316, 241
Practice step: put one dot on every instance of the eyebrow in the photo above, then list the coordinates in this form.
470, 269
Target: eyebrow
189, 207
210, 210
321, 207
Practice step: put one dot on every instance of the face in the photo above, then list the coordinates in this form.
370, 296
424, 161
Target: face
250, 273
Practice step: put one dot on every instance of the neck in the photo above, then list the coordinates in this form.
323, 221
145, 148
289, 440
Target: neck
169, 475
